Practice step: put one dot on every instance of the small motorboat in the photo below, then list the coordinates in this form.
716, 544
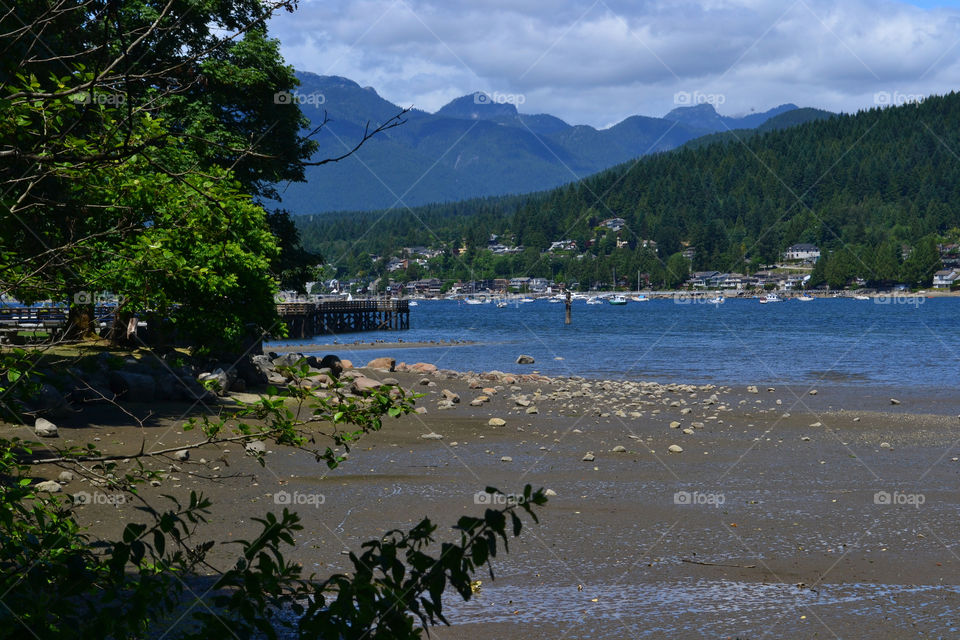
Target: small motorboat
805, 298
717, 300
594, 300
617, 300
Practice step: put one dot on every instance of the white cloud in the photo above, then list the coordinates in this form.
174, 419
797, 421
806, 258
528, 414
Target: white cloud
598, 62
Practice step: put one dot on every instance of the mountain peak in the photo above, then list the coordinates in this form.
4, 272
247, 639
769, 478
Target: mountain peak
478, 106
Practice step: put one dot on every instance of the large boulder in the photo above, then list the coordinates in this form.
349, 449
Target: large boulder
133, 387
524, 359
387, 364
362, 384
219, 378
45, 429
423, 367
335, 364
287, 360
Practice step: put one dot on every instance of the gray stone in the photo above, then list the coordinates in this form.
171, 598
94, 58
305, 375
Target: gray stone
496, 422
675, 448
619, 449
588, 457
256, 447
550, 493
506, 459
524, 359
431, 436
450, 396
45, 429
183, 455
65, 477
894, 401
48, 486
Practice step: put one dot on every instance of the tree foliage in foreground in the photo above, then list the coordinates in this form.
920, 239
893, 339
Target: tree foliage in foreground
61, 581
135, 139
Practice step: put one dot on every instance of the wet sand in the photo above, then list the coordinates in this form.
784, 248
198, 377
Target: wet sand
772, 522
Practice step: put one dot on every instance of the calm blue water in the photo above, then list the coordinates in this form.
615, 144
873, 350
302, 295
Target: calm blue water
904, 344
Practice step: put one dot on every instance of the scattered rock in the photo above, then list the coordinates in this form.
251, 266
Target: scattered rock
532, 410
752, 389
48, 486
805, 438
425, 381
812, 392
450, 396
420, 410
524, 359
388, 364
675, 448
182, 456
589, 457
431, 436
885, 445
256, 447
506, 459
45, 429
423, 367
65, 477
688, 431
894, 401
619, 449
496, 422
674, 425
550, 493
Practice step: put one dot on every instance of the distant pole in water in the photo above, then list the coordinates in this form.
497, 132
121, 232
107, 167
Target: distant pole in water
567, 319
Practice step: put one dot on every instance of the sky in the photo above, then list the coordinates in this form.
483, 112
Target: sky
597, 62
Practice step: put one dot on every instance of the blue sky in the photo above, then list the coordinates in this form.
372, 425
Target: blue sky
598, 61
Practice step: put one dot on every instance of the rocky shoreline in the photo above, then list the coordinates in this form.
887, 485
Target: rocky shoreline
743, 509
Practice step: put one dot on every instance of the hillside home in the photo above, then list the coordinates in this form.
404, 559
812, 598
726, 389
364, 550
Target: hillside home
803, 251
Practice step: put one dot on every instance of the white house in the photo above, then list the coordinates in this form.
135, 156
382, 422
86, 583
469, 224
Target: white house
803, 251
945, 278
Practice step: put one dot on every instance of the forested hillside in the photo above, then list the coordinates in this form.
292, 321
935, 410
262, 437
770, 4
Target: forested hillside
866, 184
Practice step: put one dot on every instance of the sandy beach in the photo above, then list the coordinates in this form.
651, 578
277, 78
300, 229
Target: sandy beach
787, 513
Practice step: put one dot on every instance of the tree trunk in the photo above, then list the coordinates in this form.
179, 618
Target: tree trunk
80, 322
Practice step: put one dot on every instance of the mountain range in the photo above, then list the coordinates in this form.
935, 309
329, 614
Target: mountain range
476, 146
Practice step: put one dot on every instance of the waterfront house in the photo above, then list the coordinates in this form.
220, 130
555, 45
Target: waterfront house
945, 278
703, 279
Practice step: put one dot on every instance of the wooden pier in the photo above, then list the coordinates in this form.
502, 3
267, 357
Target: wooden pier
308, 319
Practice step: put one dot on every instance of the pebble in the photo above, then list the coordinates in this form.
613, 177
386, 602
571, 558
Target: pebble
496, 422
182, 456
65, 477
619, 449
675, 448
532, 410
688, 431
894, 401
431, 436
885, 445
812, 392
589, 457
506, 459
674, 425
550, 493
